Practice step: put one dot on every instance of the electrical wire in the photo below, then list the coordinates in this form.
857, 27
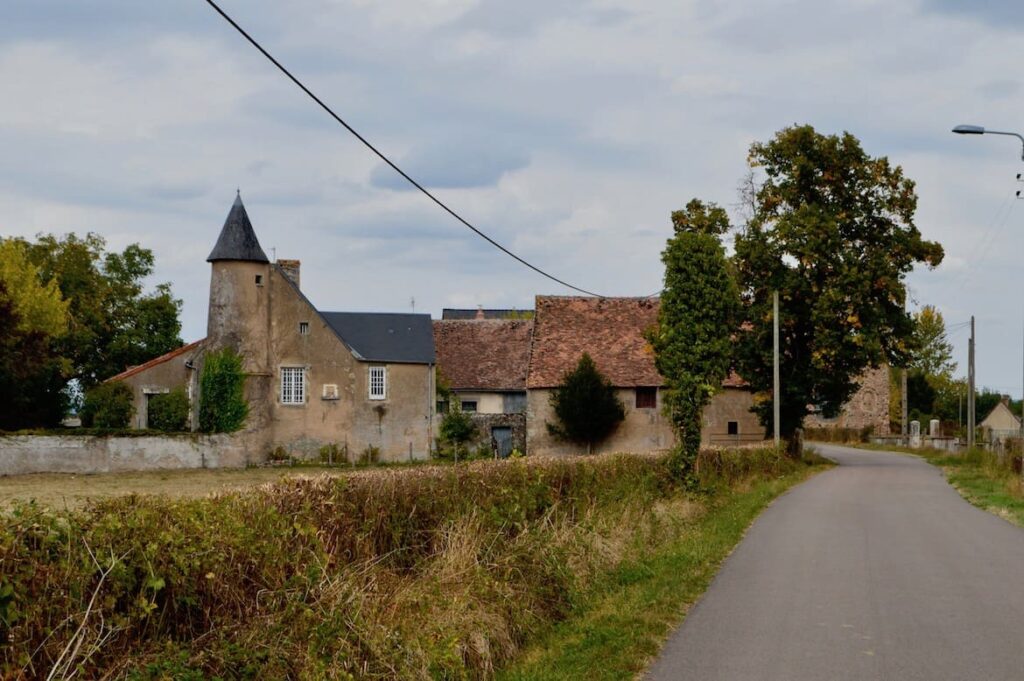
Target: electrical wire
388, 161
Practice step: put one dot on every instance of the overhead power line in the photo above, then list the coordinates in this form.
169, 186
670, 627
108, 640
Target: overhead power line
384, 158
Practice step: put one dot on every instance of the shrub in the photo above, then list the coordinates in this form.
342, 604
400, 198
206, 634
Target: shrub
369, 455
586, 406
457, 428
168, 412
222, 405
332, 454
108, 405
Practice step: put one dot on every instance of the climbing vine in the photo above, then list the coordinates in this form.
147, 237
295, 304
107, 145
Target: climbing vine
222, 405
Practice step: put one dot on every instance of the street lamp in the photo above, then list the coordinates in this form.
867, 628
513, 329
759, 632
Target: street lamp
980, 130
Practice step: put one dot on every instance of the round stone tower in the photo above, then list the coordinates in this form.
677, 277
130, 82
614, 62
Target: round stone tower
239, 312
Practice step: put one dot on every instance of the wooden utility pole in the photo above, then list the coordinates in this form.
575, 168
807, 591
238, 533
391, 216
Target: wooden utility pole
775, 366
970, 388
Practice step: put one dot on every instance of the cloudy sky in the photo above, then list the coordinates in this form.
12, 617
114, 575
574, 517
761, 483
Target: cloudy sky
567, 129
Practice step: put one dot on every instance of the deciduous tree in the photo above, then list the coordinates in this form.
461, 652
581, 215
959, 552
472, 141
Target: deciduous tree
832, 229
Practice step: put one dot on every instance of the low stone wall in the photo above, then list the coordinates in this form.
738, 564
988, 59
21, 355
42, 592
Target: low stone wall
484, 423
21, 454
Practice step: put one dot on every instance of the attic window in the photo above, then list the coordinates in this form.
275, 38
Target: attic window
303, 328
734, 427
646, 398
259, 280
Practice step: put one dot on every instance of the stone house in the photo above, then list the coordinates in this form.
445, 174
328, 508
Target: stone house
1001, 423
611, 331
484, 363
355, 380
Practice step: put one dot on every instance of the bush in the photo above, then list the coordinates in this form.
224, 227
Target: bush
108, 405
457, 428
222, 405
168, 412
333, 454
369, 455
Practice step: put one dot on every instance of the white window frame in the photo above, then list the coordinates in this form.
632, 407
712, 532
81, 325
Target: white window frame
292, 392
377, 383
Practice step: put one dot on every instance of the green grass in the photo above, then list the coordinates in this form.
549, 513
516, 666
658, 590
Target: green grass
980, 477
617, 631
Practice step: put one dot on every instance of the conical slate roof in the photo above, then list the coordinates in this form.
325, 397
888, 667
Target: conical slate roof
237, 241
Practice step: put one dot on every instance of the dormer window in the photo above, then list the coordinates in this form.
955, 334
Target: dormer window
303, 328
259, 280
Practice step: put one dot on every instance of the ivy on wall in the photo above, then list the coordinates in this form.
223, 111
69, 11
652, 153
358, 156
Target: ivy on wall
222, 405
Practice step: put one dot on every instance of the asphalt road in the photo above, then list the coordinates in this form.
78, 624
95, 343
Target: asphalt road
876, 569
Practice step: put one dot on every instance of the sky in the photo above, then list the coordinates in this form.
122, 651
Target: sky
566, 129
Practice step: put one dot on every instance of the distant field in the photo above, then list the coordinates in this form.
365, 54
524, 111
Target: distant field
66, 490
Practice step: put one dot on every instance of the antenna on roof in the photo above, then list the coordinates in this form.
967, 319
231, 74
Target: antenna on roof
273, 253
412, 303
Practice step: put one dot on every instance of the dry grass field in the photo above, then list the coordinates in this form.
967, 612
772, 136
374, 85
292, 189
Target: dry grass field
65, 490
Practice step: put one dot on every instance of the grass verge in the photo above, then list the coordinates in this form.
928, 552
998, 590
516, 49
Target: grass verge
625, 621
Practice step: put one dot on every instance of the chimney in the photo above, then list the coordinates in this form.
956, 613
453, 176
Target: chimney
291, 270
480, 312
1005, 399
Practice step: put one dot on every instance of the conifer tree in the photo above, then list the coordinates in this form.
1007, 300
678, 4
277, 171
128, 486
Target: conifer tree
587, 408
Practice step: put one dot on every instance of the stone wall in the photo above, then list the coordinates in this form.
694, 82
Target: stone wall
484, 423
869, 406
83, 454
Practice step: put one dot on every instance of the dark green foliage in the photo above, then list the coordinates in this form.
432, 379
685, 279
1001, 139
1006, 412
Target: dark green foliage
457, 428
168, 412
108, 405
696, 321
222, 405
586, 406
31, 375
832, 229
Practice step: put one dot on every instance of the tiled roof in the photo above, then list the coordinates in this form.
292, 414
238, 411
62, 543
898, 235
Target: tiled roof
610, 330
483, 354
131, 371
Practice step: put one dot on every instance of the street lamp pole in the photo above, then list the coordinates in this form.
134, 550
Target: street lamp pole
980, 130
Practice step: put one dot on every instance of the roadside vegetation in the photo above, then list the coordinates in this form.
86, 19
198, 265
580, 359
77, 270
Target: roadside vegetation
429, 572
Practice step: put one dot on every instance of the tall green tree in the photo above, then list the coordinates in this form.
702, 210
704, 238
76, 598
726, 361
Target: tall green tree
587, 409
32, 375
931, 353
696, 319
832, 229
114, 322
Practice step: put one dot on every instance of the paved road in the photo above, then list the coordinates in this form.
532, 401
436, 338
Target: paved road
876, 569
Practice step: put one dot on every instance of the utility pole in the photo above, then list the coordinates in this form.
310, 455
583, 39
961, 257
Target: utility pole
775, 366
970, 388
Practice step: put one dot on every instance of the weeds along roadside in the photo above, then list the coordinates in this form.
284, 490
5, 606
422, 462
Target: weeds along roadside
416, 573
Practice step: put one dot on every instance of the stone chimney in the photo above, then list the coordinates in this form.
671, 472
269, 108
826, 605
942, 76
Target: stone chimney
291, 270
1005, 399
